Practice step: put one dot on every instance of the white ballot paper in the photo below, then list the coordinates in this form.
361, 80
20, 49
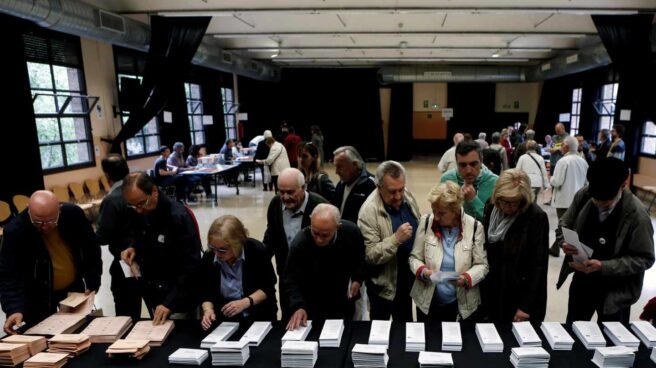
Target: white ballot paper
451, 336
438, 276
380, 331
299, 334
572, 238
130, 271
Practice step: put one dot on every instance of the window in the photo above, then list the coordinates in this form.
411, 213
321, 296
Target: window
61, 106
195, 113
606, 106
648, 146
575, 116
146, 141
229, 109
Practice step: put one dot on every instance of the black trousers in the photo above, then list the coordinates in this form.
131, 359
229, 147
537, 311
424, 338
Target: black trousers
126, 291
586, 296
439, 313
400, 309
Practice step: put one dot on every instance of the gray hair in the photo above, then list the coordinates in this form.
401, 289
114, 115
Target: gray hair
300, 178
351, 154
496, 137
571, 143
325, 211
482, 135
530, 134
391, 168
177, 145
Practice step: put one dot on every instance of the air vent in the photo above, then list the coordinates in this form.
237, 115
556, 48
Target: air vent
226, 57
438, 75
572, 59
111, 22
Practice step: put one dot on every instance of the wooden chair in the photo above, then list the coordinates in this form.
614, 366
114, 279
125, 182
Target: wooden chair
82, 200
105, 184
20, 202
61, 193
93, 188
5, 215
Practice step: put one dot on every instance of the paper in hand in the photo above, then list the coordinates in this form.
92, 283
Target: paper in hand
572, 238
439, 277
130, 271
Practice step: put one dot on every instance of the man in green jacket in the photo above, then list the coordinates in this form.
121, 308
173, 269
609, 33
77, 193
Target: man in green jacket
475, 180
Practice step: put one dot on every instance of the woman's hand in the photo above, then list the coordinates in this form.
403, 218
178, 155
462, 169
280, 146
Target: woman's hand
208, 318
235, 307
460, 282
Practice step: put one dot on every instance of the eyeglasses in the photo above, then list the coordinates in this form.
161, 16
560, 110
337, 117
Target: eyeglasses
217, 249
39, 223
140, 205
503, 202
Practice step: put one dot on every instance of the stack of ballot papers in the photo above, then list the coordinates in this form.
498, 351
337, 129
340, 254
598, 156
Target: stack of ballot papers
107, 329
35, 344
525, 334
256, 333
299, 354
429, 359
556, 336
653, 355
451, 336
369, 356
73, 344
529, 357
589, 333
58, 323
489, 338
221, 333
77, 303
188, 356
646, 332
230, 353
331, 334
379, 333
614, 356
415, 337
299, 334
146, 330
131, 348
46, 360
620, 335
13, 354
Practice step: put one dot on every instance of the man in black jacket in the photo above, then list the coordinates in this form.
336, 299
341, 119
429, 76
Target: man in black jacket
355, 184
166, 247
323, 258
47, 251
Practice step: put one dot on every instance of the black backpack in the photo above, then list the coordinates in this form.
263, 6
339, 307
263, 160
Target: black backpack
492, 159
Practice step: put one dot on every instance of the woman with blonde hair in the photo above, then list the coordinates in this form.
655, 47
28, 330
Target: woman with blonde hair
236, 274
448, 259
517, 242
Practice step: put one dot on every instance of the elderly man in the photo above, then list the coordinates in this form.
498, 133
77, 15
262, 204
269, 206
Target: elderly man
166, 247
567, 179
355, 183
388, 221
613, 223
47, 251
482, 141
529, 135
556, 143
332, 251
448, 160
475, 180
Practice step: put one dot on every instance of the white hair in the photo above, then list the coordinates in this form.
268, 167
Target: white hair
300, 178
530, 134
326, 211
571, 143
482, 135
352, 155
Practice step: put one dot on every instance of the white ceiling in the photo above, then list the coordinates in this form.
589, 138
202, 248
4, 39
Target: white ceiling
368, 32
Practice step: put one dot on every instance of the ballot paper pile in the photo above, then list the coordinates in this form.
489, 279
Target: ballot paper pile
155, 334
429, 359
13, 354
128, 348
35, 344
107, 329
230, 353
299, 354
451, 336
46, 360
72, 344
380, 331
556, 336
646, 332
525, 334
529, 357
489, 338
369, 356
331, 334
415, 337
299, 334
221, 333
58, 323
188, 356
589, 334
613, 356
256, 333
620, 335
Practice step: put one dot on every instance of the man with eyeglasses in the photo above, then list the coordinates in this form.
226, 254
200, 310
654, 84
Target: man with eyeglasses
47, 251
475, 180
166, 247
332, 251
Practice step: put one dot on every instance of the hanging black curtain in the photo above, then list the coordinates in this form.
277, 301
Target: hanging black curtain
173, 43
400, 141
473, 109
626, 38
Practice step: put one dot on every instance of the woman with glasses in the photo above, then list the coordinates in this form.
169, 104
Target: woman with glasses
236, 276
316, 180
517, 242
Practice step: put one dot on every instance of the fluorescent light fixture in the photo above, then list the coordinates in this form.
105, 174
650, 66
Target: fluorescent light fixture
400, 34
496, 55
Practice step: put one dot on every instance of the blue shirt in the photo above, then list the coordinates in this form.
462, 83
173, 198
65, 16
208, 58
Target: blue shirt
292, 220
446, 292
232, 278
399, 217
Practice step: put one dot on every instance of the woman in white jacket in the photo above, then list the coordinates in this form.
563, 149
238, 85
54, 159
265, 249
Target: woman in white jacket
533, 165
277, 159
448, 258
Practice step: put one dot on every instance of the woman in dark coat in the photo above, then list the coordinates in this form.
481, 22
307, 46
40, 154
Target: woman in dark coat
316, 180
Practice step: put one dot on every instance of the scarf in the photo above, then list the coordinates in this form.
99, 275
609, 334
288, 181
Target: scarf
499, 225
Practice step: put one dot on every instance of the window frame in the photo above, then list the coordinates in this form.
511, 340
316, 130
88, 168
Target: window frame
644, 135
142, 135
575, 113
229, 118
610, 116
193, 112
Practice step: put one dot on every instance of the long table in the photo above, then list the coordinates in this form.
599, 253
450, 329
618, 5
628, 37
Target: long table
228, 172
188, 334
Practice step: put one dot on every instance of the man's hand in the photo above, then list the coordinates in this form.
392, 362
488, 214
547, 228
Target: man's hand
569, 250
520, 316
235, 307
589, 266
13, 321
468, 191
403, 233
355, 290
127, 255
208, 318
299, 318
161, 314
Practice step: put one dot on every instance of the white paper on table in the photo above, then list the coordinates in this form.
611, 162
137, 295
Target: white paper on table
438, 276
130, 271
379, 333
572, 238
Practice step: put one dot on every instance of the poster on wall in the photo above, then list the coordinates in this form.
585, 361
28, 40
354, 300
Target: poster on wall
447, 113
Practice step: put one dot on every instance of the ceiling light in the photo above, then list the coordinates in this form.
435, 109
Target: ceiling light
496, 55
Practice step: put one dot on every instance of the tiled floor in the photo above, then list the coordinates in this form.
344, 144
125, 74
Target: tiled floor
250, 206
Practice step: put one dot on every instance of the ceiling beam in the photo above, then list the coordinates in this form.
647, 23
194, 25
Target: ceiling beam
409, 48
402, 59
403, 34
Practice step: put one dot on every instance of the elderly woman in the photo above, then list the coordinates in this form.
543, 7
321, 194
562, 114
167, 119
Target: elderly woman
517, 240
238, 282
316, 180
448, 259
533, 165
277, 160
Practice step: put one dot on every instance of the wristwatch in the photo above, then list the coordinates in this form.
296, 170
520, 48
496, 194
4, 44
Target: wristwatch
250, 300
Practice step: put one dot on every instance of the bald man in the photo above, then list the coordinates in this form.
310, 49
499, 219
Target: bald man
47, 251
448, 160
557, 143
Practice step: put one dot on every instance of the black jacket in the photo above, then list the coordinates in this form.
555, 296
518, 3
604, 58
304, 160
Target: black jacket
26, 269
115, 223
518, 267
275, 240
262, 150
364, 185
168, 250
257, 274
321, 184
317, 278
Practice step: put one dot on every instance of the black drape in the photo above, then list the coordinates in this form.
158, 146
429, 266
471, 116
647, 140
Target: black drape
473, 109
173, 43
626, 38
400, 141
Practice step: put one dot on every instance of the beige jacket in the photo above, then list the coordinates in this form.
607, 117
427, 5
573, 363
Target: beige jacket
277, 159
470, 258
379, 240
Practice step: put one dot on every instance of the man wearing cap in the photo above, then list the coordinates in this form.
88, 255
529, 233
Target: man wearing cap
612, 222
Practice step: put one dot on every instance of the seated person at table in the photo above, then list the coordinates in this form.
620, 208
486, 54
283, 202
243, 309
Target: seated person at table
322, 259
195, 153
236, 274
229, 150
177, 159
167, 175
